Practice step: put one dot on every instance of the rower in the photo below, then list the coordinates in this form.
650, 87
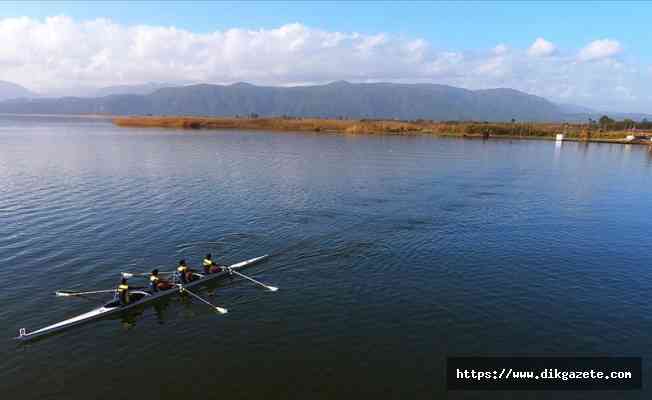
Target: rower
154, 280
182, 271
185, 274
209, 265
156, 283
123, 292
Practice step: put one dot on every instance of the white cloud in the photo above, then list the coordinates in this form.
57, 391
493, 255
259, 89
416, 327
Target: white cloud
59, 53
541, 48
500, 49
599, 49
498, 67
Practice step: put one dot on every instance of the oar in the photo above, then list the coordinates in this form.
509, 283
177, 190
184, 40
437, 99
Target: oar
219, 309
132, 274
270, 288
71, 293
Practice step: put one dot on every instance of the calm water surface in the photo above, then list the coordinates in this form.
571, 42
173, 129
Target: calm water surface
391, 253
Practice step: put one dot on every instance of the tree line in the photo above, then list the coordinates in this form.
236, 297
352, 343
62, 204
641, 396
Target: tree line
608, 124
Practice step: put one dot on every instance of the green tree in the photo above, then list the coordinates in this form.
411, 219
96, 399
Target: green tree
605, 121
629, 124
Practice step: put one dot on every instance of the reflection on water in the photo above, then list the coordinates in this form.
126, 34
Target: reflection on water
129, 318
558, 145
160, 308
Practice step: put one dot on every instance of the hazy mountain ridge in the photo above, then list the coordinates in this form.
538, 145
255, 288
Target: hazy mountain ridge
337, 99
144, 89
574, 112
10, 90
568, 108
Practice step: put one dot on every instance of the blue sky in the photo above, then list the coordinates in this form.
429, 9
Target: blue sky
463, 34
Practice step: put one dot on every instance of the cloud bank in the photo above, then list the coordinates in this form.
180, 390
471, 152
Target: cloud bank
59, 53
542, 48
600, 49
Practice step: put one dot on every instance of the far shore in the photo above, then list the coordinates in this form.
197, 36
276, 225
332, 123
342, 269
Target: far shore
89, 115
508, 130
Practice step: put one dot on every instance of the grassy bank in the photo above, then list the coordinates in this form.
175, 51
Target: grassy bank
350, 126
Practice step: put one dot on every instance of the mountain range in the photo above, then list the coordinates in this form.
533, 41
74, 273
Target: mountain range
333, 100
10, 90
145, 88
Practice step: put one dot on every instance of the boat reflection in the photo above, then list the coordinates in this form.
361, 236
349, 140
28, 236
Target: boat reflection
129, 318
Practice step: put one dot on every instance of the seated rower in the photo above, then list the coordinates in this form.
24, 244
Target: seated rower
184, 274
182, 270
156, 283
209, 265
123, 292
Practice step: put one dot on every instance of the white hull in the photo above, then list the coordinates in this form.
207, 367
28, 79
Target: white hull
108, 309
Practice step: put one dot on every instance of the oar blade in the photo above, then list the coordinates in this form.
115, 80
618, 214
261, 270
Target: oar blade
221, 310
268, 287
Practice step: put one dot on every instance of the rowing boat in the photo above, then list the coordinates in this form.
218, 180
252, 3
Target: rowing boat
139, 297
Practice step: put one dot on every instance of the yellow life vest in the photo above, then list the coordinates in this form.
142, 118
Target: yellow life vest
153, 279
182, 268
207, 262
123, 292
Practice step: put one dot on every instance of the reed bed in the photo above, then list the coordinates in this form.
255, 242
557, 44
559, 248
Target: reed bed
367, 126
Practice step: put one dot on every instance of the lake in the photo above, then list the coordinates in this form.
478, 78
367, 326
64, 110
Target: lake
391, 253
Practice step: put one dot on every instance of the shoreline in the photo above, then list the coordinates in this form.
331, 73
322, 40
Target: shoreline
95, 116
472, 130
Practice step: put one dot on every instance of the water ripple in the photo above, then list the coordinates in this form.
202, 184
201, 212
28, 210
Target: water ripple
388, 251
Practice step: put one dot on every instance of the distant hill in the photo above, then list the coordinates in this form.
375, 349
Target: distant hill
145, 88
576, 113
10, 90
575, 109
632, 116
337, 99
